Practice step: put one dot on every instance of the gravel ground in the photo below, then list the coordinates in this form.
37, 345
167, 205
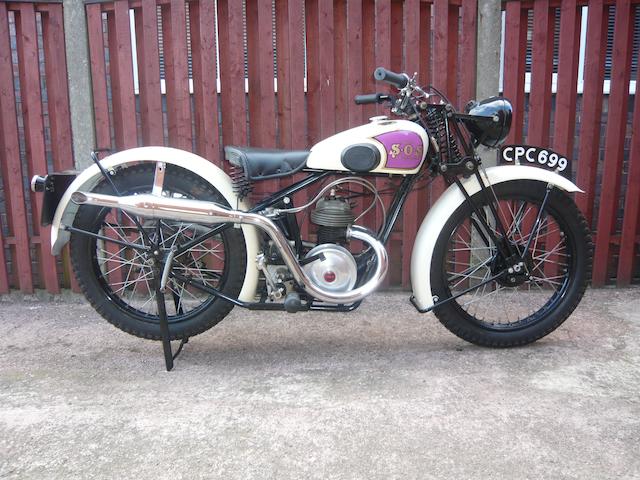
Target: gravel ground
382, 392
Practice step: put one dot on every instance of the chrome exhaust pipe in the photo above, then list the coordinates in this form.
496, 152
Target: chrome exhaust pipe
196, 211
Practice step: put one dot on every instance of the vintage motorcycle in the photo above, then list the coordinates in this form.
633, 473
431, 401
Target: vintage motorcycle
164, 243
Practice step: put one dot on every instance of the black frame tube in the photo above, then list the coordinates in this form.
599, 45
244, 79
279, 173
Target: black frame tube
135, 246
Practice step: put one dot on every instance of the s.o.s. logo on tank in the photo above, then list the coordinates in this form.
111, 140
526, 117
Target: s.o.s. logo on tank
404, 149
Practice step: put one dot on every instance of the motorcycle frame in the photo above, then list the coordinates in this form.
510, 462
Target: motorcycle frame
272, 200
450, 174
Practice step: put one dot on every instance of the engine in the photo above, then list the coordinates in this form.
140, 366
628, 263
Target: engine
337, 271
329, 266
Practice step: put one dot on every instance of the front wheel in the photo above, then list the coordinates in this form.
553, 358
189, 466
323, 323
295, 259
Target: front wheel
538, 289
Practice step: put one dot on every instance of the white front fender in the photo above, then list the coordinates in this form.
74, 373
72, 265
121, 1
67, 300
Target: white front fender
89, 178
444, 207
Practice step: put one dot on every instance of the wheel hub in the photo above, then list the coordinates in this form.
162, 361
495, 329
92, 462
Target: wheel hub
516, 271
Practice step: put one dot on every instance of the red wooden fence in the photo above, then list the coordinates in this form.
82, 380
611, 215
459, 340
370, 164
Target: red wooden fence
303, 61
606, 168
344, 41
34, 108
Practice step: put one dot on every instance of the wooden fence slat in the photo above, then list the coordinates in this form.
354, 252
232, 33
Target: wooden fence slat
11, 165
58, 102
57, 92
234, 125
468, 46
261, 88
615, 139
313, 71
514, 65
169, 74
290, 99
98, 76
368, 54
382, 34
260, 56
396, 64
382, 44
122, 98
424, 75
121, 70
541, 73
31, 97
283, 52
296, 74
203, 51
592, 107
149, 73
397, 37
540, 96
367, 85
326, 91
174, 23
340, 65
566, 96
467, 86
349, 82
4, 277
410, 213
628, 236
444, 62
290, 74
425, 44
411, 42
4, 44
445, 51
566, 99
138, 52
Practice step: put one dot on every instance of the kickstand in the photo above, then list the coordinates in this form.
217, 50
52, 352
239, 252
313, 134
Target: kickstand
169, 356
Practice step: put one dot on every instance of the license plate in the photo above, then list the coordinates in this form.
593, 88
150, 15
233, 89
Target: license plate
540, 157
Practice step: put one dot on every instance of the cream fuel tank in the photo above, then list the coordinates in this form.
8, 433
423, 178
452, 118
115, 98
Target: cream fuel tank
380, 146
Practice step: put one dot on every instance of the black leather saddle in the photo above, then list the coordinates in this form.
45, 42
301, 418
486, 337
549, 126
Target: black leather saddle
264, 163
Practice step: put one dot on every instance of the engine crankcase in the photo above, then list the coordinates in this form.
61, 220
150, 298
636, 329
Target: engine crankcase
336, 272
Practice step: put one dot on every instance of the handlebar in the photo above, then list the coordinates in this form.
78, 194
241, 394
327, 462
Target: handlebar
398, 80
371, 98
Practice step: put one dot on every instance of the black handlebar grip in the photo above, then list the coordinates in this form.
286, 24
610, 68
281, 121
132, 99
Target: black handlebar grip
367, 98
400, 80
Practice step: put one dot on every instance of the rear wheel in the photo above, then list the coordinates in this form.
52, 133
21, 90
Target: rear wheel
539, 294
118, 281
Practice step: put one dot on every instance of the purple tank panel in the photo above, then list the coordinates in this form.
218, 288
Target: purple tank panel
404, 149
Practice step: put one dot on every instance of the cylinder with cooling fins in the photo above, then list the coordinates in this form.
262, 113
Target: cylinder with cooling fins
332, 215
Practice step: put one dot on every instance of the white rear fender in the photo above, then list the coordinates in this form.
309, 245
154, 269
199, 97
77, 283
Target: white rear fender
89, 178
444, 207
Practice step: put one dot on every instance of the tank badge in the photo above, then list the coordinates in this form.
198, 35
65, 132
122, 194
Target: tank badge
404, 149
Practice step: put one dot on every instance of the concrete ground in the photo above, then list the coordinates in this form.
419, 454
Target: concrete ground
382, 392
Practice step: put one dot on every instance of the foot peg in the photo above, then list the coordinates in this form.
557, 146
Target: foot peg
292, 303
